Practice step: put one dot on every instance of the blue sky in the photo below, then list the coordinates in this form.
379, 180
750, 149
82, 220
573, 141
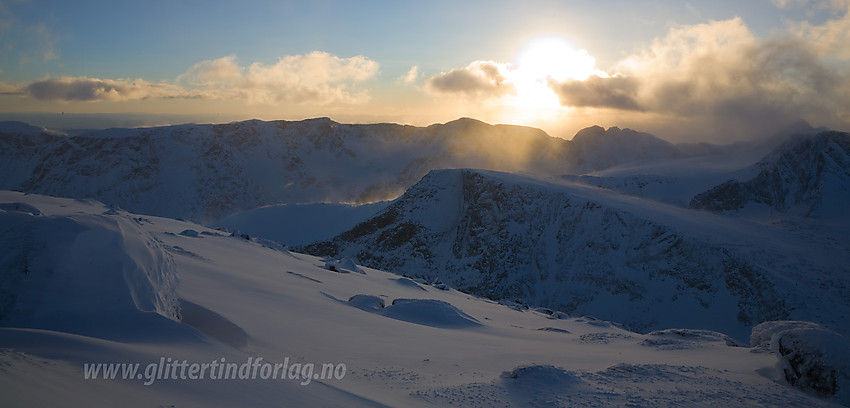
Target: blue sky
417, 59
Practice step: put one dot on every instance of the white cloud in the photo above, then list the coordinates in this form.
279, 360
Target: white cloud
831, 38
411, 76
789, 3
478, 79
46, 42
317, 77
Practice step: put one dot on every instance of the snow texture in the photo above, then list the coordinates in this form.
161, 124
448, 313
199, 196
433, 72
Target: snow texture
239, 299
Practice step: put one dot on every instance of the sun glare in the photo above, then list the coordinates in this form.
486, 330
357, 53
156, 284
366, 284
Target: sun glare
540, 61
554, 58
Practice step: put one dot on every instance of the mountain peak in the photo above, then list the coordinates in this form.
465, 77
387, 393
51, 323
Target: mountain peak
594, 148
590, 131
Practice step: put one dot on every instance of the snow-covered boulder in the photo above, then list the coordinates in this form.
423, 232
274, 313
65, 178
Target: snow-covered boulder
812, 358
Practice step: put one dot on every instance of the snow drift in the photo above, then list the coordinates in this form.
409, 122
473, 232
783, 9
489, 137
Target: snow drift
81, 273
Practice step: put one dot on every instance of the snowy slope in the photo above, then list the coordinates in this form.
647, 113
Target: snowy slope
425, 346
299, 224
586, 250
106, 270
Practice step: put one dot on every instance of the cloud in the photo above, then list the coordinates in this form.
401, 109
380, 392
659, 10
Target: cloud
9, 89
716, 79
317, 77
411, 76
46, 42
831, 38
221, 72
616, 92
721, 76
789, 3
480, 78
29, 40
94, 89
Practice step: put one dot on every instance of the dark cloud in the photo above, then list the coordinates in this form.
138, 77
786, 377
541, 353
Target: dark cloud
93, 89
612, 92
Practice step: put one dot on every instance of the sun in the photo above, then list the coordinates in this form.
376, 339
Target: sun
538, 62
554, 58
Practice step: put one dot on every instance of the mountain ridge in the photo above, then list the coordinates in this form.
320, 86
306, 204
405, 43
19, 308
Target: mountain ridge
212, 171
808, 176
591, 251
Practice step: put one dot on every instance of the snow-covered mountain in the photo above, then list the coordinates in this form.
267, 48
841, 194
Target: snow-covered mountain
585, 250
260, 326
22, 148
207, 172
808, 176
595, 148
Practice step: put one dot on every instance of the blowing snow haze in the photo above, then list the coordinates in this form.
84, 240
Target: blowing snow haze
425, 204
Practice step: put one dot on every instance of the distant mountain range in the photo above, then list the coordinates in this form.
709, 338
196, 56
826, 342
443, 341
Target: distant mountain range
207, 172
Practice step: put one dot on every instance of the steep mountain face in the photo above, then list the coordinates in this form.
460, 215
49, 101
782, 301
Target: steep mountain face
809, 176
584, 250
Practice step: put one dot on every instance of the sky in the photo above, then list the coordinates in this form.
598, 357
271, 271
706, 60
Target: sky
714, 71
